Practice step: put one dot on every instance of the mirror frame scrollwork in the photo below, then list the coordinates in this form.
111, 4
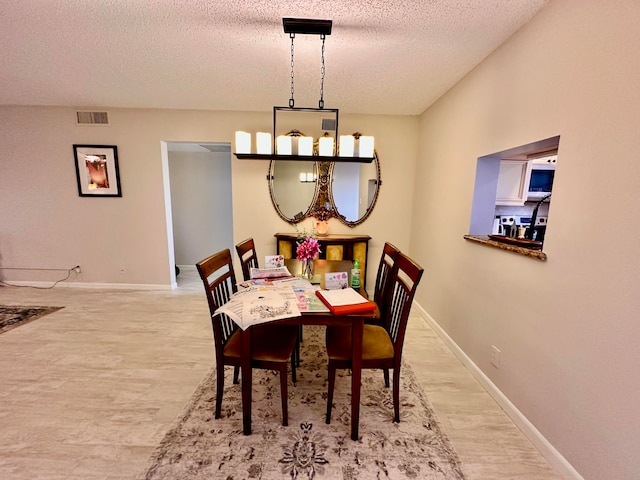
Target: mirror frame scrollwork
322, 206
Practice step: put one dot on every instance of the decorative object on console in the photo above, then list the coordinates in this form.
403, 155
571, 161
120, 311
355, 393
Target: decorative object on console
322, 227
289, 143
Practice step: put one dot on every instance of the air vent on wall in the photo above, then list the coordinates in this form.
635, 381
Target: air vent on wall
92, 118
328, 124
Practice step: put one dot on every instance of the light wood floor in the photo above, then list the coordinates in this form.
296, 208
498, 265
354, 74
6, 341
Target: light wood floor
89, 391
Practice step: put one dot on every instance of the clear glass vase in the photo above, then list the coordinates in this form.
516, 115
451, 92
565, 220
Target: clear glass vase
307, 269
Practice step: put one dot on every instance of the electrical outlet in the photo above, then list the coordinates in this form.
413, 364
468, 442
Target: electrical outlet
495, 356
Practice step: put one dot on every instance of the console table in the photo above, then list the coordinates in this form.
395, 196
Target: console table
332, 247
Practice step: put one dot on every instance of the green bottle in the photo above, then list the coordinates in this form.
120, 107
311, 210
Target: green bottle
355, 275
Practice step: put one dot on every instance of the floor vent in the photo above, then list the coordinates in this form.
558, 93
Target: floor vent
92, 118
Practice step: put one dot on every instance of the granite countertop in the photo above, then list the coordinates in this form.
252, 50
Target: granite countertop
527, 252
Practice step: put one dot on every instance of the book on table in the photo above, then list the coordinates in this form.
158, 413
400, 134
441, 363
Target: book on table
345, 301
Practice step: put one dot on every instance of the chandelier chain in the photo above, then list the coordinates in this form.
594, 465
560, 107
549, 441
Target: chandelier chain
291, 101
321, 102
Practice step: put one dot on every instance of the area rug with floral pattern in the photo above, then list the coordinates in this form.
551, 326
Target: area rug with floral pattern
12, 316
201, 447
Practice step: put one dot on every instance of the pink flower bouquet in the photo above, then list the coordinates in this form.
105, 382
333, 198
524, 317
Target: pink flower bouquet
308, 249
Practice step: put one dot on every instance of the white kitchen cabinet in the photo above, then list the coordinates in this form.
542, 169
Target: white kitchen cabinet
513, 182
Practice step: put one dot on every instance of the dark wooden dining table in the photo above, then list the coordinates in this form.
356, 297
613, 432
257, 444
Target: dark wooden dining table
355, 321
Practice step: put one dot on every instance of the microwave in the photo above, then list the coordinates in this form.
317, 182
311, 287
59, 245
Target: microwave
541, 181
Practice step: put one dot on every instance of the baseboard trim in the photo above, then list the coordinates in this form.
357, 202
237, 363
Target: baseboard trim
107, 286
187, 268
548, 451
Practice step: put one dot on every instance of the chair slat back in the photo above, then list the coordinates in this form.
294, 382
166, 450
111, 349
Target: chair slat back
387, 260
248, 257
219, 281
403, 282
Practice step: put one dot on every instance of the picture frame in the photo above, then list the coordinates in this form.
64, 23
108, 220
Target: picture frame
97, 170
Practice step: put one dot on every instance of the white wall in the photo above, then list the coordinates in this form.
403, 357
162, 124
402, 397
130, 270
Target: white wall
568, 328
44, 223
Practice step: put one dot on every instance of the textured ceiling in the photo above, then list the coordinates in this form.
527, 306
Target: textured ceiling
382, 57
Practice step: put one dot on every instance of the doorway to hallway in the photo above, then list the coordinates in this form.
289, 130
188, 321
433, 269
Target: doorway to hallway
199, 209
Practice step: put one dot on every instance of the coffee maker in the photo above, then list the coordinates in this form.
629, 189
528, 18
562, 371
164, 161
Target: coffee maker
509, 225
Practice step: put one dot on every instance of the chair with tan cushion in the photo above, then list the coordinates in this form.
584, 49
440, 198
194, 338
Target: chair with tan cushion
381, 344
271, 345
387, 260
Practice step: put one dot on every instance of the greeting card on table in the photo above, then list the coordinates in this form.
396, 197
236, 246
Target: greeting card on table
273, 261
336, 280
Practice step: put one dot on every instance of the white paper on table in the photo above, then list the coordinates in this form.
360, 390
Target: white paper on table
260, 304
297, 283
308, 301
346, 296
233, 309
305, 294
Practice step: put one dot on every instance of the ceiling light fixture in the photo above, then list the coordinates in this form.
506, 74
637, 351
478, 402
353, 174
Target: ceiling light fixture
320, 140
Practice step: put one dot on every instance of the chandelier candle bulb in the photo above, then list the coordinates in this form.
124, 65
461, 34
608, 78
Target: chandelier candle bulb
347, 145
305, 146
326, 146
294, 144
263, 143
283, 145
243, 142
366, 146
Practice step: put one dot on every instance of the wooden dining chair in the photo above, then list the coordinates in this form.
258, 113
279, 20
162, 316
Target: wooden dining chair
381, 344
248, 257
272, 346
387, 260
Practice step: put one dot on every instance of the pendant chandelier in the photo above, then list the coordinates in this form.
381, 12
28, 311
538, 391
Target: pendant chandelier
305, 133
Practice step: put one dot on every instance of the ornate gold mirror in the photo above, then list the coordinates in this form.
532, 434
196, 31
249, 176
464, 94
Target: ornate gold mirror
291, 195
347, 191
354, 190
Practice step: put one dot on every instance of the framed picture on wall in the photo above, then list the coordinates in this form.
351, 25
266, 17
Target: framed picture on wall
97, 170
